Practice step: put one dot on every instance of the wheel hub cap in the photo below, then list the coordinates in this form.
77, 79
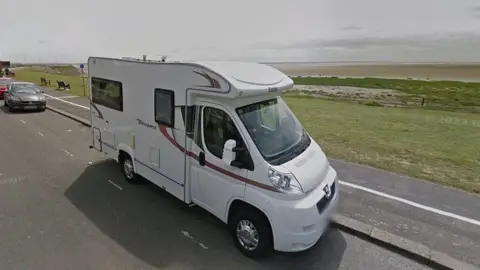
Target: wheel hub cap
128, 168
247, 235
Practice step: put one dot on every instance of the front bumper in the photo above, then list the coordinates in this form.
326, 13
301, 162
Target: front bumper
27, 105
298, 226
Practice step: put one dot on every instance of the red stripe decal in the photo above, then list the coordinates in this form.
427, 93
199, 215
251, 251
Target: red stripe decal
223, 171
100, 114
212, 82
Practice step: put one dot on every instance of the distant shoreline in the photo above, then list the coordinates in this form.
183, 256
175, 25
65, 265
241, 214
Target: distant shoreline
455, 71
468, 72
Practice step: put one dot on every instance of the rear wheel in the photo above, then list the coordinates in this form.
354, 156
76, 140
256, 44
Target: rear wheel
251, 232
128, 169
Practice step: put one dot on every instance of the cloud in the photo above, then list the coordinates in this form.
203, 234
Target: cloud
409, 42
351, 28
475, 11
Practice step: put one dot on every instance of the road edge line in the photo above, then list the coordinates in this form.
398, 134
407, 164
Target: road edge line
78, 119
419, 251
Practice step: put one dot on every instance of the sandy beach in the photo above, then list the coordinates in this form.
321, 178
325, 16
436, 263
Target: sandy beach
454, 72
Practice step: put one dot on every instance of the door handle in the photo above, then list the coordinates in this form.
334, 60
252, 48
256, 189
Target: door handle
201, 159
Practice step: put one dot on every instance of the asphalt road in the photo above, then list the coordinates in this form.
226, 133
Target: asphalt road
57, 211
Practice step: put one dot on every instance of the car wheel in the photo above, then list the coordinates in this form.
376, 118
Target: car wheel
5, 103
10, 109
128, 170
252, 233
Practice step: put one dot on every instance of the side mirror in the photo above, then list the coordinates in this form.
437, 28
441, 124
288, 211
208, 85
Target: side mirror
229, 155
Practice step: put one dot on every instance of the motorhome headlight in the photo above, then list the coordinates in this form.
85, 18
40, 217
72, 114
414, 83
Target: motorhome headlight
286, 183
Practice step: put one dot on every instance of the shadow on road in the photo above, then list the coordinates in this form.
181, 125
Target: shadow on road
152, 225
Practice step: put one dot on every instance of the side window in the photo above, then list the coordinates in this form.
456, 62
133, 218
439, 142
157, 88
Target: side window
107, 93
164, 107
218, 127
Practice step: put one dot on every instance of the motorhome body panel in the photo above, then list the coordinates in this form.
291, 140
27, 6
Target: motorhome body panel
144, 76
164, 153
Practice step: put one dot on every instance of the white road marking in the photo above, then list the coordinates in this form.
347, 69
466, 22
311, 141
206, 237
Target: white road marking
40, 134
12, 180
186, 234
69, 130
23, 121
68, 102
65, 97
414, 204
117, 186
68, 153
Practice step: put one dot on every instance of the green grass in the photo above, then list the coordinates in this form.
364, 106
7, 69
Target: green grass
54, 74
447, 93
439, 146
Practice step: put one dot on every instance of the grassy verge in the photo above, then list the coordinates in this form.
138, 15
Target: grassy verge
61, 74
450, 94
434, 145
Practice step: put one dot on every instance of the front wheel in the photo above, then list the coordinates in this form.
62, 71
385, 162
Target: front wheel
252, 233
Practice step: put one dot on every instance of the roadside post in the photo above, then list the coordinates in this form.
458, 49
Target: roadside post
83, 79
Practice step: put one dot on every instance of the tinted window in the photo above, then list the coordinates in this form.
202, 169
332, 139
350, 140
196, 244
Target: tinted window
25, 88
164, 107
218, 127
274, 129
107, 93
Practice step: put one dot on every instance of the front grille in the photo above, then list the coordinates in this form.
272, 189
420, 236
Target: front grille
323, 203
30, 102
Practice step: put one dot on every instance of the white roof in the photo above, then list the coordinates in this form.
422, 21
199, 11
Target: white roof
249, 76
20, 82
244, 78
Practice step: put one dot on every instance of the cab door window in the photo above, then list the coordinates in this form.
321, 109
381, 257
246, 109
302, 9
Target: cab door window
218, 127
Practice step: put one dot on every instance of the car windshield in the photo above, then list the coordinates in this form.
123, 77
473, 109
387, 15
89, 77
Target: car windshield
26, 88
274, 129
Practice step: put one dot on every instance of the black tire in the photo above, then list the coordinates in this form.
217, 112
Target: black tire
42, 110
5, 103
130, 176
10, 109
264, 232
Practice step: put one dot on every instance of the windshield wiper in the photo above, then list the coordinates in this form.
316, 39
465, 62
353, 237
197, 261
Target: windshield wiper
293, 152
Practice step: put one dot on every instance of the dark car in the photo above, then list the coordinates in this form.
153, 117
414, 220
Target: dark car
25, 96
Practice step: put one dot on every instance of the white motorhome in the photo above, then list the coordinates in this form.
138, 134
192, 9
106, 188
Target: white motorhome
217, 135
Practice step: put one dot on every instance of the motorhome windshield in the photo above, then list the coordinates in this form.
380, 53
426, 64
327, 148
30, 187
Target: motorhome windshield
276, 132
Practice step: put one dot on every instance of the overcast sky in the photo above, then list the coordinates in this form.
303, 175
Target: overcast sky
258, 30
